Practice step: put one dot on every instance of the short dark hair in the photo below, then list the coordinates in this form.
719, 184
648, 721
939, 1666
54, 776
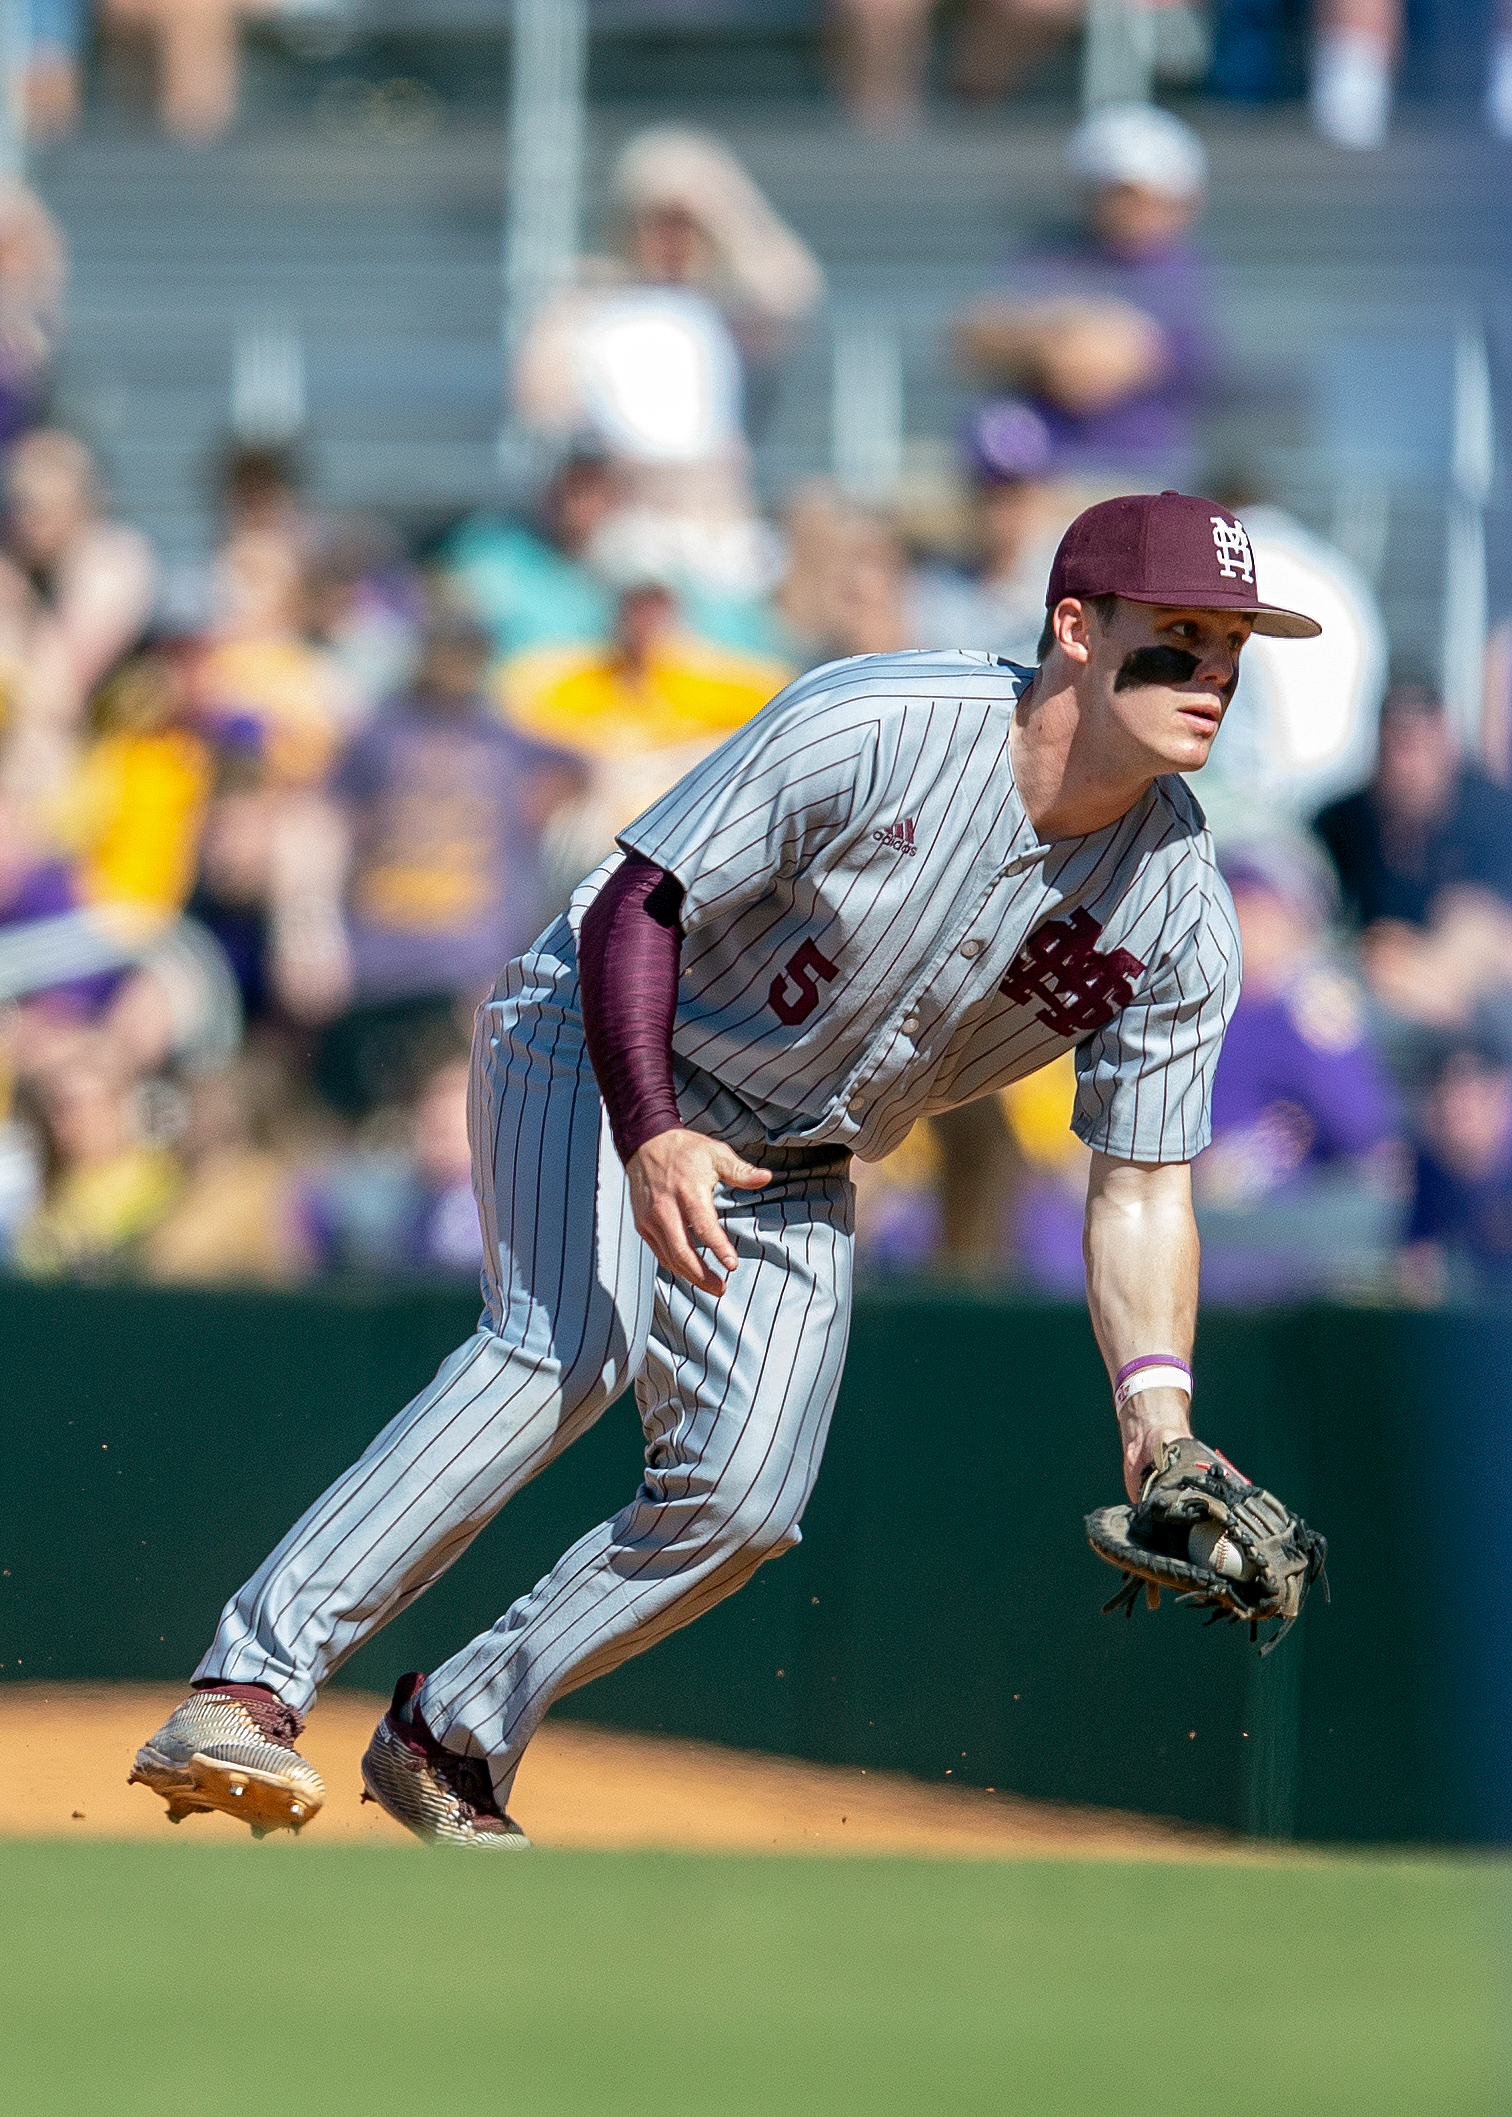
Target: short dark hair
1102, 604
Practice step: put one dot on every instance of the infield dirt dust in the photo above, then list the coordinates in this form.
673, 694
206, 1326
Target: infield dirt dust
65, 1751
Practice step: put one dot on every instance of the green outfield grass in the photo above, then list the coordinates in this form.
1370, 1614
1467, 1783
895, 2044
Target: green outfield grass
299, 1979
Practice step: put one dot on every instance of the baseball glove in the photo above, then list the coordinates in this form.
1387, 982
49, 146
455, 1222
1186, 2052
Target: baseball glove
1217, 1541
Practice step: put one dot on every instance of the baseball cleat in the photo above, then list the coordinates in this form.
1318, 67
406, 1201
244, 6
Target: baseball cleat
232, 1749
439, 1796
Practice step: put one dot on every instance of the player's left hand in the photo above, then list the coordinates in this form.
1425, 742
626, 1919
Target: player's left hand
1146, 1422
673, 1178
1203, 1530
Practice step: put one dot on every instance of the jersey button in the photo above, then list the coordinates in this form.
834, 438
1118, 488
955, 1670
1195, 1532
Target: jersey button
909, 1025
972, 947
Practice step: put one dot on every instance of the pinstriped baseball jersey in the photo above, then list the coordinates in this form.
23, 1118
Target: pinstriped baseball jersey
873, 931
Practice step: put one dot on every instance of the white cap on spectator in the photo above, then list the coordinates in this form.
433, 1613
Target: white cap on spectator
1136, 143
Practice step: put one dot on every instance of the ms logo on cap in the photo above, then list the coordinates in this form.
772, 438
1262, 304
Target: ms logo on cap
1170, 548
1235, 559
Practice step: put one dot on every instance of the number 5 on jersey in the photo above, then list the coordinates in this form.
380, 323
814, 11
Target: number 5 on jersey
795, 989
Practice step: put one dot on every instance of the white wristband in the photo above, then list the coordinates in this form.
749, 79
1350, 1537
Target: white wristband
1152, 1377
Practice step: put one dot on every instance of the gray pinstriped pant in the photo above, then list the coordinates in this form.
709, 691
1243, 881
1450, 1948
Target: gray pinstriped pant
735, 1397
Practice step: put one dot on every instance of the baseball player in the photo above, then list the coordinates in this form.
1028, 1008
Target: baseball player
911, 879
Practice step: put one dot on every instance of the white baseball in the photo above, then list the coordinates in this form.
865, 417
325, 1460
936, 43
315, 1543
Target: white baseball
1208, 1545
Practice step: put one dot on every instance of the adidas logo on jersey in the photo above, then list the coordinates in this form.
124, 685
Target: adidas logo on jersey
899, 838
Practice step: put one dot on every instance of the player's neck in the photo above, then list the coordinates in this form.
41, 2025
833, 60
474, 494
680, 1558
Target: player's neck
1069, 783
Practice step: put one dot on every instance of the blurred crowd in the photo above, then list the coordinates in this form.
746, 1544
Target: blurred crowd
269, 828
184, 55
1239, 49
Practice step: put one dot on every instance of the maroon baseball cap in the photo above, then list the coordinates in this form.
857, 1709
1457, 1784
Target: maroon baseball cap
1170, 548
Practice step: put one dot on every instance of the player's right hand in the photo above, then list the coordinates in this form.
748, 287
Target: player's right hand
672, 1183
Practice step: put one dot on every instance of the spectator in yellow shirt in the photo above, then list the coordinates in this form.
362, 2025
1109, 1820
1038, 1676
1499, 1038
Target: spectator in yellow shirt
262, 688
640, 712
142, 789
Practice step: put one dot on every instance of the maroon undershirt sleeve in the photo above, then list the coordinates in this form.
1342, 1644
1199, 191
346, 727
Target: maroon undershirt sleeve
628, 958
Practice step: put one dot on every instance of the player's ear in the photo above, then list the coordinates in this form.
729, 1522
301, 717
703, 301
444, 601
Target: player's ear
1070, 621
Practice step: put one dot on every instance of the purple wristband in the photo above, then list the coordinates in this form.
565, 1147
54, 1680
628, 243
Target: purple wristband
1150, 1371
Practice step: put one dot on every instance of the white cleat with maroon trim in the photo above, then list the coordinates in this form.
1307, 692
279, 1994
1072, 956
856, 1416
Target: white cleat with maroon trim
231, 1748
439, 1796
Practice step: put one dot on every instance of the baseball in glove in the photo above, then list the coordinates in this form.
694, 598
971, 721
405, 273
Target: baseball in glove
1217, 1541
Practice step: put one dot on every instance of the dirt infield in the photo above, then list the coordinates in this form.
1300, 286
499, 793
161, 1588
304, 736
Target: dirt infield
65, 1751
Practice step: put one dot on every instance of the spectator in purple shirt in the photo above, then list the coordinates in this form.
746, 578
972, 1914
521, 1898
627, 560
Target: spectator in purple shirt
1111, 335
444, 807
46, 890
1295, 1191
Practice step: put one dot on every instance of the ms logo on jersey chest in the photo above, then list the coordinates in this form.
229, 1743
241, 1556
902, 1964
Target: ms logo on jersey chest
1077, 988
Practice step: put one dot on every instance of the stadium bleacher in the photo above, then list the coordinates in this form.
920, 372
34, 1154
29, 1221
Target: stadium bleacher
377, 252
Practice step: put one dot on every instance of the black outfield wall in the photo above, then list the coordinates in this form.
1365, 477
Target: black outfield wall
942, 1612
